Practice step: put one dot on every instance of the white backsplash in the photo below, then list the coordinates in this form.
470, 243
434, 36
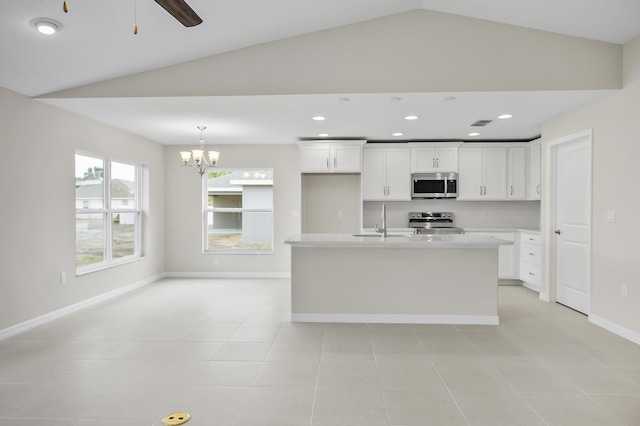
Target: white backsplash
467, 214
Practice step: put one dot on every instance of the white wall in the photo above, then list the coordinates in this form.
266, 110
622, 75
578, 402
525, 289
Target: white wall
331, 203
616, 150
37, 207
418, 51
184, 211
467, 214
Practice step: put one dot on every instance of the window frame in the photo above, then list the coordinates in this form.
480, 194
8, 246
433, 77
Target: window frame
108, 212
206, 209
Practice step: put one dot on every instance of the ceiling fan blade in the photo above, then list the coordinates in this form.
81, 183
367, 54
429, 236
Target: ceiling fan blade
180, 10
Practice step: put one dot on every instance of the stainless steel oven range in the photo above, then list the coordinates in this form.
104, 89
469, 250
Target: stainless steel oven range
433, 223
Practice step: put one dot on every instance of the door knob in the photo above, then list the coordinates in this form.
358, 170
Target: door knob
558, 232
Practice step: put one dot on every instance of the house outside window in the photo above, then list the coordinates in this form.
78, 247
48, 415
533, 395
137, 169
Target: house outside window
108, 212
238, 211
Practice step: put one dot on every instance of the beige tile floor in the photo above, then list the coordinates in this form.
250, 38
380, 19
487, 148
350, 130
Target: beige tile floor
224, 351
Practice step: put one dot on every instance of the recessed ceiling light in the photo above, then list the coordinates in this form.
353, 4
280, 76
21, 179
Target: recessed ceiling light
46, 25
474, 134
323, 135
319, 118
505, 116
411, 117
397, 134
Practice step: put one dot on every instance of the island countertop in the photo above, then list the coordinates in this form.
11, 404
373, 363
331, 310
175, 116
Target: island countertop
396, 240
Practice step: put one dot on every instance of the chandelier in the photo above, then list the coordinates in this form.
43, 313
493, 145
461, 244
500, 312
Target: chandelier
196, 158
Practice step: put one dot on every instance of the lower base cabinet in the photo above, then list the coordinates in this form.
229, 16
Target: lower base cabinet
507, 266
530, 260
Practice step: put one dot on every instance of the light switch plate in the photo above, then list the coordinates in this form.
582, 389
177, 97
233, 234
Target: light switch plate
611, 216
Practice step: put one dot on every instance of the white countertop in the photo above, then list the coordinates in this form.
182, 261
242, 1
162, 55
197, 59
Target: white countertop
498, 230
530, 230
396, 240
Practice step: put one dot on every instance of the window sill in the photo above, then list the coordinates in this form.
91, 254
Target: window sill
109, 266
236, 252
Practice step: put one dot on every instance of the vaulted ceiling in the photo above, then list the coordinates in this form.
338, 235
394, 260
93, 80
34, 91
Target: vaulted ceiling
96, 44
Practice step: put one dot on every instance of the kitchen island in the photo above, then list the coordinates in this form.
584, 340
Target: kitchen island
418, 279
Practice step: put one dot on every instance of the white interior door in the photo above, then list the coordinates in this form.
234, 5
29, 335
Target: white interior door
573, 224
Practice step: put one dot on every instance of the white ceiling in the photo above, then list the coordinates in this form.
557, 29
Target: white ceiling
97, 44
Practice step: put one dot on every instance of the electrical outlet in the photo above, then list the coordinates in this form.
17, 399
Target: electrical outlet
339, 213
63, 277
625, 291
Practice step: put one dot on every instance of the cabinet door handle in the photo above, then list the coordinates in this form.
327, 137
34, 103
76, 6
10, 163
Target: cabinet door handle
437, 163
433, 163
480, 189
335, 162
511, 190
531, 254
327, 163
530, 273
538, 189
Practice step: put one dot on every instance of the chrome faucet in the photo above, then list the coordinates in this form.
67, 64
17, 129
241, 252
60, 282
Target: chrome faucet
383, 230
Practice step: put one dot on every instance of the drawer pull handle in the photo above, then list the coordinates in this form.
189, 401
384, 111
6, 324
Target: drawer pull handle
530, 254
530, 273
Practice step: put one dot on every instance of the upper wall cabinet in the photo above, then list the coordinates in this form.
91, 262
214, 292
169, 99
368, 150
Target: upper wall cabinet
386, 174
516, 172
331, 157
482, 173
534, 163
434, 157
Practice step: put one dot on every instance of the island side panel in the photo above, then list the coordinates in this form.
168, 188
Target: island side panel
452, 285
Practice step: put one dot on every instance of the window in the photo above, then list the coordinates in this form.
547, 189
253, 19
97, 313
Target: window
108, 212
238, 211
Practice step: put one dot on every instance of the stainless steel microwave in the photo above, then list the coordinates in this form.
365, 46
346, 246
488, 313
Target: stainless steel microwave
434, 185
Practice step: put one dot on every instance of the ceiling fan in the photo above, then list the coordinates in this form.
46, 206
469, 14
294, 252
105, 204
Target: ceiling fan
179, 9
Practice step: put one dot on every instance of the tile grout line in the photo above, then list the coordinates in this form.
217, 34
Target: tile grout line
519, 395
315, 390
376, 364
441, 378
235, 417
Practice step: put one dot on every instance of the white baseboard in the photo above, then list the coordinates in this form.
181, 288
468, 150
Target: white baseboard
509, 281
530, 286
43, 319
615, 328
228, 274
397, 319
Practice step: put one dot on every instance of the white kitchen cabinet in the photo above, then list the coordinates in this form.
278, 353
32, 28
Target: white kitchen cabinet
324, 157
507, 259
434, 159
482, 173
516, 172
386, 174
531, 260
534, 164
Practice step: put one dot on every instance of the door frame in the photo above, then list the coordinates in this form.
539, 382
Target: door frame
549, 213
